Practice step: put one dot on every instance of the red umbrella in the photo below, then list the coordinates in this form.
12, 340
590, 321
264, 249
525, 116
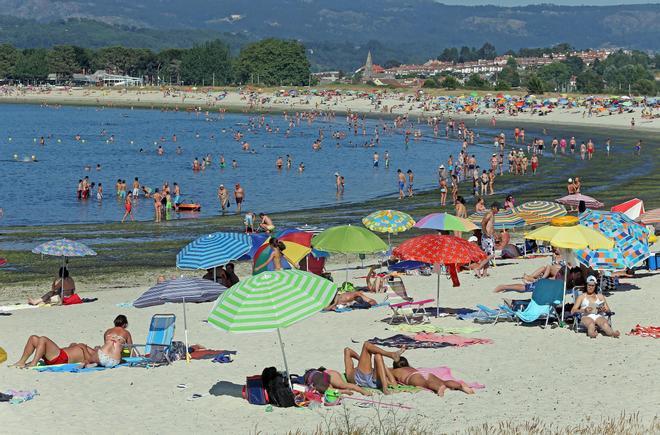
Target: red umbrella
439, 250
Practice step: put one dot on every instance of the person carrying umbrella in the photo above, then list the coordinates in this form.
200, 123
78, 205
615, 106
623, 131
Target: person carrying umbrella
275, 256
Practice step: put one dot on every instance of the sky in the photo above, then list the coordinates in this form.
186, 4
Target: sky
557, 2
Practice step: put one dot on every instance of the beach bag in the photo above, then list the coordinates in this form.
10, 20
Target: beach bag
254, 391
72, 300
177, 351
277, 387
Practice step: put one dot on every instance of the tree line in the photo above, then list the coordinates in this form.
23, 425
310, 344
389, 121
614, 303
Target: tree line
270, 62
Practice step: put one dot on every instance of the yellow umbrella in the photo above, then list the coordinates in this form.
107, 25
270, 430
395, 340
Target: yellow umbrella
566, 232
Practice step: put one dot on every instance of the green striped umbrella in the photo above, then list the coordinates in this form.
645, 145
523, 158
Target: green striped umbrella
270, 301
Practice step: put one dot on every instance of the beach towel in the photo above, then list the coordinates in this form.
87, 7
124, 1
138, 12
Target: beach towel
645, 331
18, 396
456, 340
351, 308
78, 368
400, 340
433, 328
210, 353
445, 374
17, 307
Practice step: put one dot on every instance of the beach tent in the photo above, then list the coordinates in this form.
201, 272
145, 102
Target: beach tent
633, 208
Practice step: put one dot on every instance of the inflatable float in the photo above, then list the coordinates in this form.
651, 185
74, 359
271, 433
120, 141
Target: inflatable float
189, 207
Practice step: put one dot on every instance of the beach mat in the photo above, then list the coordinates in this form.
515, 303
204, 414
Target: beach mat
77, 367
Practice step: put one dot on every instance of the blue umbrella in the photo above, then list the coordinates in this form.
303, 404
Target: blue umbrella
213, 250
180, 290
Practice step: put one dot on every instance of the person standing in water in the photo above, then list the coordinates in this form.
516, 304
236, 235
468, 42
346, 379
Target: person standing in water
239, 196
402, 182
128, 208
411, 180
376, 159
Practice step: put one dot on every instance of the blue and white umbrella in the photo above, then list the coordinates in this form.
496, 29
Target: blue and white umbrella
181, 290
213, 250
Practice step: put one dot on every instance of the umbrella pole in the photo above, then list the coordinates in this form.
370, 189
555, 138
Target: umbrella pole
62, 281
286, 365
437, 295
185, 329
346, 280
563, 295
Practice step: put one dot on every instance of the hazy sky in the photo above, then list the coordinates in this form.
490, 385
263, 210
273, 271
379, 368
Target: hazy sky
557, 2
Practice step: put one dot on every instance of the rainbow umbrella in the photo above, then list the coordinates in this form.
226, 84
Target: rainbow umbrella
504, 220
297, 246
630, 241
445, 222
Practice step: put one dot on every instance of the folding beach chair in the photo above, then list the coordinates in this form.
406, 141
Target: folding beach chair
547, 294
491, 315
577, 317
410, 311
397, 286
159, 339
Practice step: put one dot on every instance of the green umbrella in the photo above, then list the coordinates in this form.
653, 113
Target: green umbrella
347, 239
270, 301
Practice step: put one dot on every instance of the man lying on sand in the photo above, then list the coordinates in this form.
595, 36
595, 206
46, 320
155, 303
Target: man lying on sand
407, 375
348, 298
370, 371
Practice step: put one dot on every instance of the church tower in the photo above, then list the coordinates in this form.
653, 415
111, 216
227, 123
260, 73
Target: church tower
368, 72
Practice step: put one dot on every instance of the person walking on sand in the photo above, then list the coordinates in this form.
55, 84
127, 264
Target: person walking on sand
402, 182
128, 208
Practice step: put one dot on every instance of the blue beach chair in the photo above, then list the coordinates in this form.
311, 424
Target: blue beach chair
159, 337
547, 294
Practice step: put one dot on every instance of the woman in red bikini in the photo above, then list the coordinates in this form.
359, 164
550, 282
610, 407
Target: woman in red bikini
44, 348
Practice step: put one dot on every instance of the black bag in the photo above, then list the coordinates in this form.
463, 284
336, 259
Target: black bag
277, 387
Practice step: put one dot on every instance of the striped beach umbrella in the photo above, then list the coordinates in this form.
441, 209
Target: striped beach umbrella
445, 222
574, 201
271, 301
650, 217
213, 250
180, 290
630, 241
537, 212
504, 220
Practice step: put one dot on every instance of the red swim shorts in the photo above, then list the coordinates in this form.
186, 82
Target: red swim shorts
62, 358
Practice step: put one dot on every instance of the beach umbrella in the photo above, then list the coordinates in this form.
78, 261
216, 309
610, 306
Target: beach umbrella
445, 222
574, 200
180, 290
213, 250
632, 208
535, 212
631, 244
64, 248
504, 220
567, 233
650, 217
348, 239
388, 221
439, 250
297, 246
270, 302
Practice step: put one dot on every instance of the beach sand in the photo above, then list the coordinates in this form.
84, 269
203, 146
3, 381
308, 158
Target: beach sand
554, 375
237, 102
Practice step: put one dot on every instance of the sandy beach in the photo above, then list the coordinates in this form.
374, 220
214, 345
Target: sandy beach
554, 375
237, 101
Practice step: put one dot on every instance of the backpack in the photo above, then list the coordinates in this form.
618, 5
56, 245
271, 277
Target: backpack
254, 391
277, 388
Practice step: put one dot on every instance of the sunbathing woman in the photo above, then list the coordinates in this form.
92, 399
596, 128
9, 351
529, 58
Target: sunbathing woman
376, 281
370, 371
592, 305
322, 379
348, 298
63, 282
44, 348
407, 375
